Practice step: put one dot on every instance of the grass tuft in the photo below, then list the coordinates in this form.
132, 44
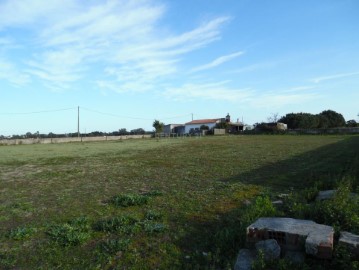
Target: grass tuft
125, 200
124, 224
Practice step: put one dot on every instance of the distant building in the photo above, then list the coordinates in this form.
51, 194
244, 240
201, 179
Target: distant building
174, 129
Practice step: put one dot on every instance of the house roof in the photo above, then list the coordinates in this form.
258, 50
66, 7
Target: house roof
203, 121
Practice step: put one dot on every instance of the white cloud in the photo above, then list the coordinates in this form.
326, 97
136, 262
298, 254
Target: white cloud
218, 61
335, 76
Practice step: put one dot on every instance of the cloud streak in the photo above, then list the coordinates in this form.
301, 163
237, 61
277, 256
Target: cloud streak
335, 76
119, 41
218, 61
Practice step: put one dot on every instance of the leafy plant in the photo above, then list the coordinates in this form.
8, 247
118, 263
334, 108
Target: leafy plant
71, 233
153, 215
21, 233
110, 247
125, 200
151, 228
125, 224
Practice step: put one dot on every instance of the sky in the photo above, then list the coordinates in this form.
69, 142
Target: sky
126, 63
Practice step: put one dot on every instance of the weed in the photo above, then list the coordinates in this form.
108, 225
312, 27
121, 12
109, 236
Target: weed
125, 224
72, 233
110, 247
151, 228
21, 233
153, 215
7, 261
125, 200
154, 193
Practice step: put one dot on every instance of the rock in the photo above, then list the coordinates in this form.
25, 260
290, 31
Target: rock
283, 195
295, 257
245, 259
270, 249
329, 194
294, 234
277, 203
247, 202
351, 241
325, 195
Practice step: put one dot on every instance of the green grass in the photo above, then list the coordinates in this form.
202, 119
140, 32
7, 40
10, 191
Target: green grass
148, 204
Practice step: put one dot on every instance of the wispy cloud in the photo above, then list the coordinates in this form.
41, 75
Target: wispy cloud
9, 72
299, 88
120, 41
218, 61
213, 91
255, 67
335, 76
278, 100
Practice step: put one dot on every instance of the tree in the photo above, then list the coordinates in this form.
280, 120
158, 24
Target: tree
122, 131
138, 131
273, 118
204, 127
351, 123
300, 120
158, 126
331, 119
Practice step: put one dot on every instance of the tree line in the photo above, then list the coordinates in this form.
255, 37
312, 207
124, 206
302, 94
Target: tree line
325, 119
38, 135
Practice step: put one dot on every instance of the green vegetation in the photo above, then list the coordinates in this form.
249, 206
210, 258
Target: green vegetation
325, 119
167, 204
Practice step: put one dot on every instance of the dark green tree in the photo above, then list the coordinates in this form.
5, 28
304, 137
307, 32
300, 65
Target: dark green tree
331, 119
158, 126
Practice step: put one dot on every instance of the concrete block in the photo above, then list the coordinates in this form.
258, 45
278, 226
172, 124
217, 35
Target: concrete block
325, 195
351, 241
294, 235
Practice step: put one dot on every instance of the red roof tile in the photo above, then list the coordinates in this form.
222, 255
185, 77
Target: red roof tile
202, 121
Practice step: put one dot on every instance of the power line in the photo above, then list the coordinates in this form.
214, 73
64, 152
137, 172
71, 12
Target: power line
37, 112
129, 117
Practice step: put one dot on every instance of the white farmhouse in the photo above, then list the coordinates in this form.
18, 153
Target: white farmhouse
195, 125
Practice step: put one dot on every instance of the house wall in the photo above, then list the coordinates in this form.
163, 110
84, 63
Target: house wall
194, 126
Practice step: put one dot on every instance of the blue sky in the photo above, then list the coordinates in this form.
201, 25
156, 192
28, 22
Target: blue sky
126, 63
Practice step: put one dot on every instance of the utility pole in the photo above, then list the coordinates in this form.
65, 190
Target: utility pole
192, 116
78, 121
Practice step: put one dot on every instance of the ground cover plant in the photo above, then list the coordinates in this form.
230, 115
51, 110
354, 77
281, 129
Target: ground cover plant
163, 204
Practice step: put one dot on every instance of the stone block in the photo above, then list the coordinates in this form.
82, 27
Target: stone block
270, 249
245, 259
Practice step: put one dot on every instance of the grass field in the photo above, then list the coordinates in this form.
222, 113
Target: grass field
147, 204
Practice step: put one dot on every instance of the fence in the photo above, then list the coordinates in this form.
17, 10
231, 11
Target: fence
70, 139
